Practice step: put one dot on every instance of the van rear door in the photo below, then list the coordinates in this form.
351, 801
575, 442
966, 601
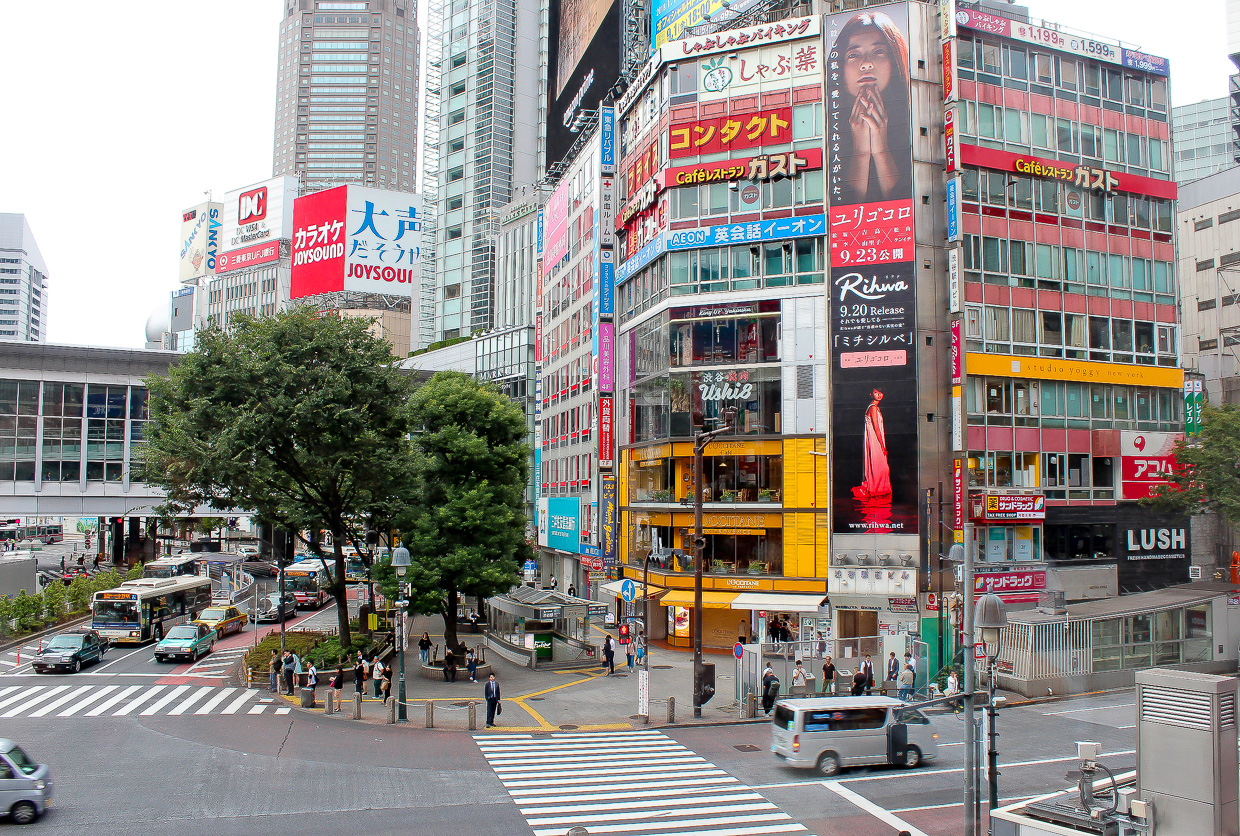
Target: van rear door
783, 728
897, 742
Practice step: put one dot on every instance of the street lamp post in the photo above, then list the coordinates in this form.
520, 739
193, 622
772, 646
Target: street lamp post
699, 547
400, 562
990, 618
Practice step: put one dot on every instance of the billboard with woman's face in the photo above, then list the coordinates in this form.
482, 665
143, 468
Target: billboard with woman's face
873, 298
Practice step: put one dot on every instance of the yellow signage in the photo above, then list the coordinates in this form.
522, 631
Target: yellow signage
645, 454
1050, 368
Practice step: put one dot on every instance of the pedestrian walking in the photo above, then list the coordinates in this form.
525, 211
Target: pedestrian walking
297, 672
359, 674
471, 664
312, 677
424, 648
953, 688
609, 655
641, 645
905, 683
821, 647
772, 633
893, 667
554, 583
867, 667
491, 694
376, 673
628, 656
273, 671
828, 676
62, 563
95, 563
798, 677
770, 688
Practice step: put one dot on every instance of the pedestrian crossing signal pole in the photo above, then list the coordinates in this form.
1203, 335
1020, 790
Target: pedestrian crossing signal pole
699, 554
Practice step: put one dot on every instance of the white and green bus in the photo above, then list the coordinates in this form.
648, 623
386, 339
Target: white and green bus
144, 609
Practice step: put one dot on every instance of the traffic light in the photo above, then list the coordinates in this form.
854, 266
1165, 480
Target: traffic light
624, 634
706, 683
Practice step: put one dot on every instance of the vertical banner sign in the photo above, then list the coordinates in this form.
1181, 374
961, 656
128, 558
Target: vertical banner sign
605, 432
607, 139
1198, 402
947, 19
608, 524
953, 280
957, 380
951, 152
951, 78
1189, 428
958, 500
538, 432
953, 209
872, 292
957, 354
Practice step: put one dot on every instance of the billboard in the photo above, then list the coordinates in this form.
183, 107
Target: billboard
669, 19
1146, 460
356, 238
200, 241
561, 526
583, 66
555, 224
873, 287
253, 256
258, 214
733, 132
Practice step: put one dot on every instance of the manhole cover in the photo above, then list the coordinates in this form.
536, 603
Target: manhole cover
535, 699
461, 704
568, 727
660, 667
746, 747
636, 717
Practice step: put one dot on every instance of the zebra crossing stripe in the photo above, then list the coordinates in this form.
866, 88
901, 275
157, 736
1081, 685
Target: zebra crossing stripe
95, 697
57, 703
164, 700
100, 709
239, 701
138, 700
190, 700
210, 704
31, 703
14, 698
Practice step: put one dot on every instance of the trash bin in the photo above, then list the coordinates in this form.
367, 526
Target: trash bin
307, 698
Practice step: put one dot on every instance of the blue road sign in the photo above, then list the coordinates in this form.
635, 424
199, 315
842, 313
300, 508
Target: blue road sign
628, 590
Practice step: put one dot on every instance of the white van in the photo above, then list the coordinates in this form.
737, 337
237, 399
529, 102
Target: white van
25, 786
831, 733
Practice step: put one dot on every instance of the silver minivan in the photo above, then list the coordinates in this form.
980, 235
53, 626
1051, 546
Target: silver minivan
25, 786
831, 733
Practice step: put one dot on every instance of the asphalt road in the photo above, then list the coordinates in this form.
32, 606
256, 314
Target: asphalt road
180, 761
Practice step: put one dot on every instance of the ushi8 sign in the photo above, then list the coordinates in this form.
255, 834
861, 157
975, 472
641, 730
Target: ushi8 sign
356, 238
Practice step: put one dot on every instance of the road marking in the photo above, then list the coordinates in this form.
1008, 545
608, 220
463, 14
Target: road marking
210, 704
31, 703
138, 700
10, 689
137, 649
285, 710
1089, 708
189, 701
256, 709
164, 700
99, 709
95, 697
59, 701
236, 704
880, 813
1003, 802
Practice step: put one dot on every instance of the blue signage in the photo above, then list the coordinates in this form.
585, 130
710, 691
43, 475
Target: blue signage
562, 523
607, 134
590, 551
1146, 63
642, 257
628, 590
687, 239
540, 233
953, 208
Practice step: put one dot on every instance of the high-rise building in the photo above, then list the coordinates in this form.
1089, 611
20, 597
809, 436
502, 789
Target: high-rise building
489, 136
347, 93
23, 282
1201, 137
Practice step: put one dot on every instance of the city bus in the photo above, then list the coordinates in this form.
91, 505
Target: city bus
46, 533
145, 609
173, 566
11, 535
309, 582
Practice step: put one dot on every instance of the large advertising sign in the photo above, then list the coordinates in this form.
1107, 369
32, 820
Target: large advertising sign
258, 214
200, 241
734, 132
562, 521
1146, 460
584, 65
743, 233
609, 519
356, 238
671, 20
1073, 174
873, 297
724, 76
606, 432
1005, 507
555, 225
248, 257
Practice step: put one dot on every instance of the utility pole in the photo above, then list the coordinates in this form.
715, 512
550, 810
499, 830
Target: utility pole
699, 547
971, 811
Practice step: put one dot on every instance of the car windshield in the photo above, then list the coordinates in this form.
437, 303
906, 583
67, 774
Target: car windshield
65, 643
213, 614
19, 759
183, 633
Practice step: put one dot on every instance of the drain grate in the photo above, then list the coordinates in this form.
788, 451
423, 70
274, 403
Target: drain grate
569, 727
746, 747
462, 704
660, 667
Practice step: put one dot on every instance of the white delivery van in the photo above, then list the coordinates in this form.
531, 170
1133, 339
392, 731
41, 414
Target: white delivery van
832, 733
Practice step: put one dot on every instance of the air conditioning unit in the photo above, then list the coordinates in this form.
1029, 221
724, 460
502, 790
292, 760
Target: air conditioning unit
1052, 602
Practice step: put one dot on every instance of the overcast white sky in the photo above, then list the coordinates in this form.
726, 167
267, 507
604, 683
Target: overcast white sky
124, 113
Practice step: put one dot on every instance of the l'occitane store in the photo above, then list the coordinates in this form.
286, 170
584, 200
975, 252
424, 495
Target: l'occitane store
766, 524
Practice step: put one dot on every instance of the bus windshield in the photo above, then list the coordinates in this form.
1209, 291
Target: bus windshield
302, 583
113, 612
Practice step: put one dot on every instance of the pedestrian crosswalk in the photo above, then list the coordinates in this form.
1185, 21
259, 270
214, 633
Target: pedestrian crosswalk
641, 783
133, 701
218, 663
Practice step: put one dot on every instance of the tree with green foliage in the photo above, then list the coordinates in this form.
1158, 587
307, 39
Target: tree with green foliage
135, 572
465, 527
27, 611
297, 418
79, 594
55, 605
1208, 474
6, 616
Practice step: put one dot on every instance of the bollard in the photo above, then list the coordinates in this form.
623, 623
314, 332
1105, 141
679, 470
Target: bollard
430, 714
307, 698
391, 712
329, 702
671, 709
751, 706
473, 716
357, 706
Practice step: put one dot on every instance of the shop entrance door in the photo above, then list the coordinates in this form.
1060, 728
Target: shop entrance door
858, 632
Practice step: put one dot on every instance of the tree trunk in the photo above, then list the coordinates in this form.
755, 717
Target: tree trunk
449, 624
340, 592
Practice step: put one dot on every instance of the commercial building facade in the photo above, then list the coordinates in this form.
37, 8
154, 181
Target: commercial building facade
23, 282
1201, 135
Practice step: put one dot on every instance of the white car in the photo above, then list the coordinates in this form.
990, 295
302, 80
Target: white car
248, 551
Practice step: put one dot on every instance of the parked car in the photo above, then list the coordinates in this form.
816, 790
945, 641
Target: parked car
186, 641
270, 607
70, 651
223, 620
25, 786
260, 568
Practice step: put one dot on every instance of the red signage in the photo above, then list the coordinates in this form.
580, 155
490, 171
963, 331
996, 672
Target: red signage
1146, 460
951, 141
248, 257
958, 496
605, 424
730, 133
872, 233
318, 243
1073, 174
1001, 507
764, 167
1019, 580
252, 206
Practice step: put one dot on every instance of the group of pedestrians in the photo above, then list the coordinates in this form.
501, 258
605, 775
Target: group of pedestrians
285, 673
780, 633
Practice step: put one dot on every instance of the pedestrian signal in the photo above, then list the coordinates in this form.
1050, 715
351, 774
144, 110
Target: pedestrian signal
625, 638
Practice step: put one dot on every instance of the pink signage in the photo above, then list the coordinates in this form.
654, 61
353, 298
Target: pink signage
957, 369
858, 359
606, 356
555, 227
1018, 581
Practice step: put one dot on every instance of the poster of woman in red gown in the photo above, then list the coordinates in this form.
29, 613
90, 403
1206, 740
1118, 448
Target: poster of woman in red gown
877, 484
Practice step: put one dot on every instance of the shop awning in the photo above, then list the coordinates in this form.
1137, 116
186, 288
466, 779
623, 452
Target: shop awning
612, 589
779, 601
710, 600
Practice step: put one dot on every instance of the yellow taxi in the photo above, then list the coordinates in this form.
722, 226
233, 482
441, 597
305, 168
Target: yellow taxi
223, 620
